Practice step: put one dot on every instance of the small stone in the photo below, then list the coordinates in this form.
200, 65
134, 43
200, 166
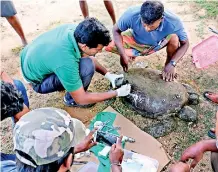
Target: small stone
193, 99
188, 114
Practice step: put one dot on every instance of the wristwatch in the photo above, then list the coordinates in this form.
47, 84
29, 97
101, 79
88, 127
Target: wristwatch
172, 62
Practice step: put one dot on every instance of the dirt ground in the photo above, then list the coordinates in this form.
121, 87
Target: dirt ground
38, 16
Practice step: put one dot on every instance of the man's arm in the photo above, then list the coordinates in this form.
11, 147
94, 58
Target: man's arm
197, 151
169, 70
118, 40
119, 44
81, 97
98, 67
116, 155
181, 51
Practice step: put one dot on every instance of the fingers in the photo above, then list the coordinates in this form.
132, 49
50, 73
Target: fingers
92, 144
164, 75
90, 136
113, 147
169, 76
119, 141
194, 163
185, 156
125, 68
93, 131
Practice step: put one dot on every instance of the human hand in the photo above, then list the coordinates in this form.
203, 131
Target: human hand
113, 78
124, 90
86, 144
124, 60
169, 73
180, 167
194, 152
116, 152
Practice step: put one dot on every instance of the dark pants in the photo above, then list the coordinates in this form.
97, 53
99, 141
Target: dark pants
21, 88
52, 82
214, 161
7, 162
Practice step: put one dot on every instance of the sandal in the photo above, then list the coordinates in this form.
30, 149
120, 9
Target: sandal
211, 99
211, 134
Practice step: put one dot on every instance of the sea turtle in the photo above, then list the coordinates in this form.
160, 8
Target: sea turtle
154, 98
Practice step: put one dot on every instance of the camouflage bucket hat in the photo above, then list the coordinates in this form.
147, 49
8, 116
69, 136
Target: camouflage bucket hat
46, 135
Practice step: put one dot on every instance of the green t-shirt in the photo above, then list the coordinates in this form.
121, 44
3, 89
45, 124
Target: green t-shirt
55, 51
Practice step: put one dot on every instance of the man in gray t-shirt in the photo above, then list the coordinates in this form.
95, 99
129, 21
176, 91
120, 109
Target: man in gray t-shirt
143, 30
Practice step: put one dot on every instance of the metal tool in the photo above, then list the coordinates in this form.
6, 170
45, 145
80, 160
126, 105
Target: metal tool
113, 128
79, 162
213, 30
125, 138
100, 125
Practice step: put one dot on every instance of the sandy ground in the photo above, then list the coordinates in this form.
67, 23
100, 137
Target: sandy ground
37, 16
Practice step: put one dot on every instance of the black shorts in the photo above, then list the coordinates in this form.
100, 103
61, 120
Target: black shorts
7, 8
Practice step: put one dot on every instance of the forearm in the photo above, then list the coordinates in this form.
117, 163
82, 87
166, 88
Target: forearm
116, 168
118, 40
90, 98
181, 51
98, 67
209, 145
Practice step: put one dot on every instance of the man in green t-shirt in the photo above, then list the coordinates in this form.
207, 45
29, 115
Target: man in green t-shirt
62, 59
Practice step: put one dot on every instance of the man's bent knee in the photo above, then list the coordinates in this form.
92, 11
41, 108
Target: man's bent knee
174, 40
87, 67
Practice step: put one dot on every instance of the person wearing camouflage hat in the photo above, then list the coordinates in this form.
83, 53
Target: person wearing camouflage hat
46, 139
43, 135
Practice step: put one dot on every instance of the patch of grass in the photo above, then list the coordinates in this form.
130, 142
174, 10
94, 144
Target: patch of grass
189, 135
159, 67
186, 137
16, 51
207, 120
211, 8
205, 82
200, 29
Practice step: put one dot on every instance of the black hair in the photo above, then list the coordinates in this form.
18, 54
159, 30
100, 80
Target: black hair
52, 167
92, 32
151, 11
11, 100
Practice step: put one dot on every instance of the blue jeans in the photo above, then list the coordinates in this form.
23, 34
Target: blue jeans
8, 163
20, 87
52, 82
